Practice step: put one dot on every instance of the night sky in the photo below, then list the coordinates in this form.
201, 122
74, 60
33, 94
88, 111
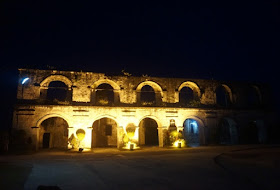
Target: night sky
220, 40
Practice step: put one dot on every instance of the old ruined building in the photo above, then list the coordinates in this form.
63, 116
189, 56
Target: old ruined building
54, 107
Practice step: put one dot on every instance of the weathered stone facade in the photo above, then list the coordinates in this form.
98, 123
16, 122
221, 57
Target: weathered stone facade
223, 112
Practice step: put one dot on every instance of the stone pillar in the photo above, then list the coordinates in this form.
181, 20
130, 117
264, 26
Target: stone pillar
180, 128
43, 93
165, 137
211, 133
116, 97
69, 95
70, 132
88, 137
262, 131
138, 98
120, 133
137, 134
141, 135
93, 97
35, 137
160, 136
176, 96
158, 98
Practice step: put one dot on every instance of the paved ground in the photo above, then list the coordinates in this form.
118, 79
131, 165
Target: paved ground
212, 167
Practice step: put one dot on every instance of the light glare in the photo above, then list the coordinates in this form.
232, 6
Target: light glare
24, 80
179, 143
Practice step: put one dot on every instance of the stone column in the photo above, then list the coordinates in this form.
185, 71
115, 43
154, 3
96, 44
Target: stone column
70, 132
160, 136
43, 93
141, 135
164, 130
211, 133
116, 97
93, 97
138, 99
158, 98
69, 95
88, 137
137, 132
35, 137
120, 133
176, 96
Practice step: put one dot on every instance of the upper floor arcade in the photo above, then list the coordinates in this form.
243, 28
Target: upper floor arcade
96, 89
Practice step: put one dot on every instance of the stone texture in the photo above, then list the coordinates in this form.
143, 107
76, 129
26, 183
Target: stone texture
80, 109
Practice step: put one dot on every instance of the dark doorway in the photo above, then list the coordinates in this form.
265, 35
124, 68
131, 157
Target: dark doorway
250, 133
46, 140
227, 131
148, 132
191, 132
224, 132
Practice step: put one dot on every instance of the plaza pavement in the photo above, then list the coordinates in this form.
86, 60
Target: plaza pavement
205, 167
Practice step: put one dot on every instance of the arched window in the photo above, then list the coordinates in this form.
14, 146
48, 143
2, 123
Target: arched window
186, 95
253, 96
104, 94
223, 96
147, 96
57, 91
189, 94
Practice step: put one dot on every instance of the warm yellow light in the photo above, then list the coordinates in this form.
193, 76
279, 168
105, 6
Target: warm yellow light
87, 150
136, 135
80, 134
179, 143
130, 146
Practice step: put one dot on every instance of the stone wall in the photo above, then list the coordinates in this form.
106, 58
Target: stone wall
80, 110
82, 86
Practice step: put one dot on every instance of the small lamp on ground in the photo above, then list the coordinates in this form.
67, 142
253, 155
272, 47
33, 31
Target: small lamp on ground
131, 146
179, 145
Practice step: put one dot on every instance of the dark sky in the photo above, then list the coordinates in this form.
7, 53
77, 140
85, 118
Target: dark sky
223, 40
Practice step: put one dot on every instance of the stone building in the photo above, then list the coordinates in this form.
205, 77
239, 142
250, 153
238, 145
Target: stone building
55, 106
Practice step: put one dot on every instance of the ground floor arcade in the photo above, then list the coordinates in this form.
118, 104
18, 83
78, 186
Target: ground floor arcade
83, 127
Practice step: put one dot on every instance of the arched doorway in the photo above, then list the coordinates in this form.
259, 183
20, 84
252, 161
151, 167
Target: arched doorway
147, 96
104, 94
148, 132
53, 133
250, 133
104, 133
191, 132
227, 132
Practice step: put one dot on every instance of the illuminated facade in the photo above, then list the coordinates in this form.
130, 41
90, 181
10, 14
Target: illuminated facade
56, 106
